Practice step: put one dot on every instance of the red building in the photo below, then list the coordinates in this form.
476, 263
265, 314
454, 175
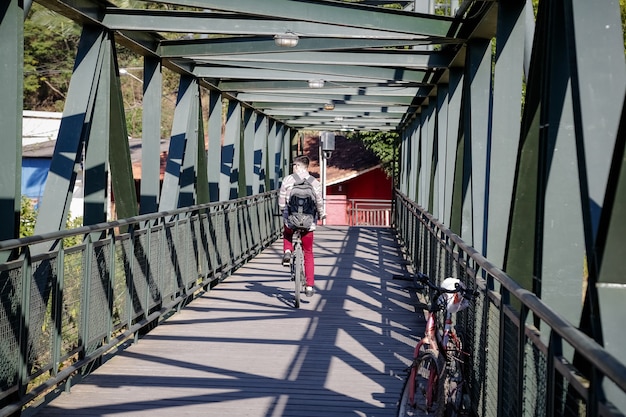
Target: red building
358, 191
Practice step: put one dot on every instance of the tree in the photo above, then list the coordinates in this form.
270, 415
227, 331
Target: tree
383, 144
50, 46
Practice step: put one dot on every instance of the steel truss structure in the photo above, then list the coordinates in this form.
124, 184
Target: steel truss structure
512, 122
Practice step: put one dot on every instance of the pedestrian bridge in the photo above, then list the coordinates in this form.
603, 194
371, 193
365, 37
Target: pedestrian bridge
241, 348
504, 124
192, 312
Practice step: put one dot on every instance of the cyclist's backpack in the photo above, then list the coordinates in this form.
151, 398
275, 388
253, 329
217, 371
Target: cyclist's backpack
301, 205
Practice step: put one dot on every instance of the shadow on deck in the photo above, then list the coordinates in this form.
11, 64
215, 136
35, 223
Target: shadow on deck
241, 349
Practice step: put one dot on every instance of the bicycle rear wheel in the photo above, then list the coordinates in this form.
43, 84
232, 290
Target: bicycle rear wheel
423, 388
298, 265
454, 380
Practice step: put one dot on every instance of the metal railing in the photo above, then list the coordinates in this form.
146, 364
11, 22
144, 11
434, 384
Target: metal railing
521, 350
64, 309
364, 212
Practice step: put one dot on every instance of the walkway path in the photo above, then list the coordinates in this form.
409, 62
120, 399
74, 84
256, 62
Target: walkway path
243, 350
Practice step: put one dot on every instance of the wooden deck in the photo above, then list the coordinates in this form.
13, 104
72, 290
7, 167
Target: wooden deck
243, 350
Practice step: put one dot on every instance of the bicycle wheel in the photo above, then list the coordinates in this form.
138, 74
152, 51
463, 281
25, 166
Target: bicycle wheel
454, 384
423, 388
298, 265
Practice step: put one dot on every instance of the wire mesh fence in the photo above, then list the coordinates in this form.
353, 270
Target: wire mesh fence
525, 358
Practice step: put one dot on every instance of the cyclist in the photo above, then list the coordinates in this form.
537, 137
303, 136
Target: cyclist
301, 175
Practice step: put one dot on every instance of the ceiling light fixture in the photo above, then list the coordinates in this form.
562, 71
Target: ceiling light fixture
329, 106
316, 83
287, 39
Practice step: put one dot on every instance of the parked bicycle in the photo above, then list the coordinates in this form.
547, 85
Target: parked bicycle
297, 267
436, 382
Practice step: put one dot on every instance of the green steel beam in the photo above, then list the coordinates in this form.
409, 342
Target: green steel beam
203, 194
215, 144
479, 67
505, 132
260, 154
122, 181
347, 14
229, 171
170, 190
439, 185
256, 70
151, 136
254, 46
328, 74
261, 100
275, 161
599, 87
189, 168
97, 140
377, 58
68, 151
428, 141
228, 24
247, 153
11, 85
455, 94
336, 90
298, 87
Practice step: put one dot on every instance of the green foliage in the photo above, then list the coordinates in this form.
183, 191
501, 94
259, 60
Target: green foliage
384, 145
50, 43
28, 217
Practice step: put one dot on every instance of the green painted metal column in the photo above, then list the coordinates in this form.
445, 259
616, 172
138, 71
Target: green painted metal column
439, 153
275, 157
455, 95
97, 138
404, 157
247, 152
11, 86
259, 184
431, 156
413, 158
183, 114
215, 144
190, 167
122, 181
151, 136
202, 179
68, 151
600, 84
479, 77
229, 172
504, 143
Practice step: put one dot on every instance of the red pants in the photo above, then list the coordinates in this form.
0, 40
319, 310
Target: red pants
307, 248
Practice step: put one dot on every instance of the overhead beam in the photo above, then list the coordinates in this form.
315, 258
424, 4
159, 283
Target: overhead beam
378, 58
197, 48
259, 70
347, 14
229, 24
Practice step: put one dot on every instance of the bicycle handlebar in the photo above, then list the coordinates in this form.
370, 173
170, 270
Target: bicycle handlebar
465, 293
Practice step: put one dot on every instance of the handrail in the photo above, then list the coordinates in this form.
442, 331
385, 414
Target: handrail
99, 227
427, 238
589, 348
64, 309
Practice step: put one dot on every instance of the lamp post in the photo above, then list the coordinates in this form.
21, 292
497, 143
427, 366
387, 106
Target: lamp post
327, 146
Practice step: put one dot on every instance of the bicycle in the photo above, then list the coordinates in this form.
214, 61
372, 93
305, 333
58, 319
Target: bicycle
436, 384
297, 266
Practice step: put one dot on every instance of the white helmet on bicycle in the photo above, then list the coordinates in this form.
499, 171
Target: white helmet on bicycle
455, 302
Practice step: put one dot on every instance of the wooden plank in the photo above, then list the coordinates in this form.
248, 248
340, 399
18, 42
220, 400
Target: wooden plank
242, 349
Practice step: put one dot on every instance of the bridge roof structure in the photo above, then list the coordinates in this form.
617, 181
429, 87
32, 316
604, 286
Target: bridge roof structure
375, 66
